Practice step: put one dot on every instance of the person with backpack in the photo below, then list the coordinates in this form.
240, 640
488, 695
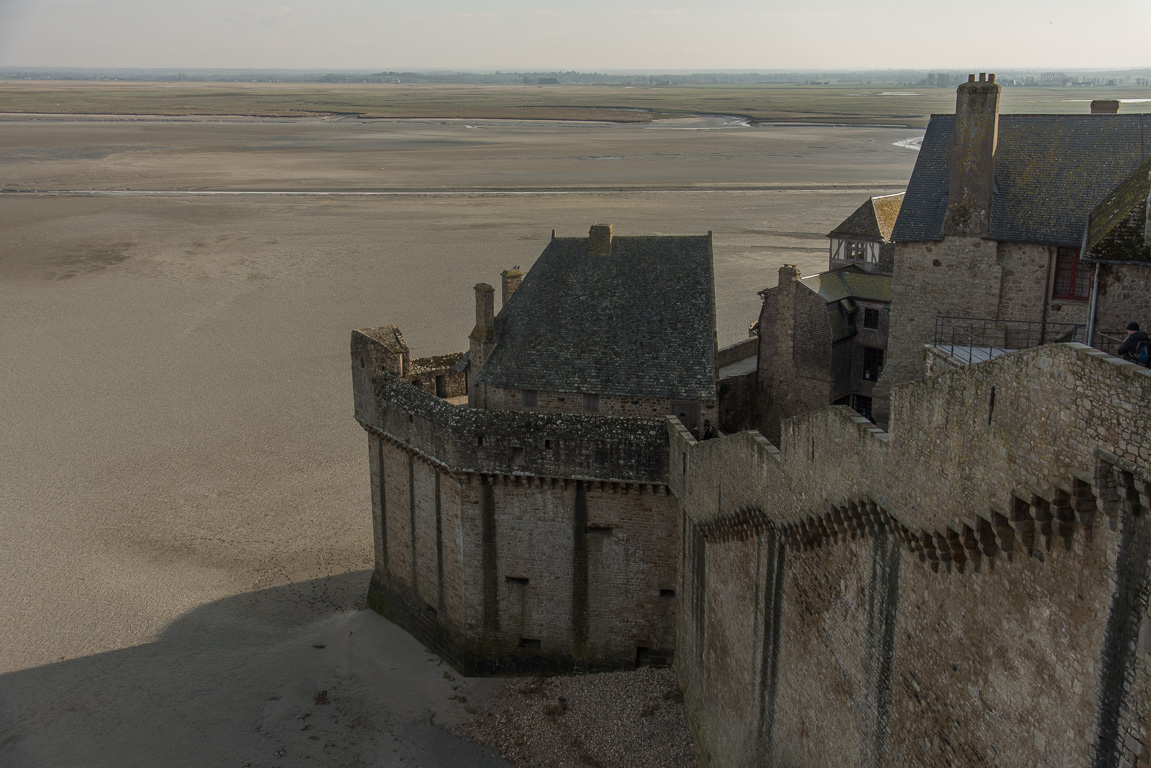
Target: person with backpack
1136, 347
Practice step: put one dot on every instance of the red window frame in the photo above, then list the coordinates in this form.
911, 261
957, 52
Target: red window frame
1072, 277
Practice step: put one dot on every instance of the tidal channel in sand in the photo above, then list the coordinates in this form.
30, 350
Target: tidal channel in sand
184, 493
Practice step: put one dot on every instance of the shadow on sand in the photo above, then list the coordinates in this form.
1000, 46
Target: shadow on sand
278, 677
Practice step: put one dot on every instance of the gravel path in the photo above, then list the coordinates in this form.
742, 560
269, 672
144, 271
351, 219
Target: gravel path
611, 720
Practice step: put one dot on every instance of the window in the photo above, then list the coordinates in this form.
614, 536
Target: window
861, 405
871, 318
1072, 278
591, 403
858, 250
529, 398
872, 364
853, 251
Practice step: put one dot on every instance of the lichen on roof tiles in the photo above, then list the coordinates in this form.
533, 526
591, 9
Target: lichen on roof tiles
1051, 171
389, 336
886, 213
850, 283
873, 220
1115, 230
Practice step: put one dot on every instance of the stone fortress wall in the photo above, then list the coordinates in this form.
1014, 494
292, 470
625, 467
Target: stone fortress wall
516, 541
970, 588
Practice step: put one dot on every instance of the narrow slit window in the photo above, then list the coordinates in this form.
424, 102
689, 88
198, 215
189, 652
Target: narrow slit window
872, 363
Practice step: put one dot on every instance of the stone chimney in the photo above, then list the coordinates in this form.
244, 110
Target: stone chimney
511, 279
1105, 107
972, 184
599, 239
485, 330
483, 341
788, 277
778, 396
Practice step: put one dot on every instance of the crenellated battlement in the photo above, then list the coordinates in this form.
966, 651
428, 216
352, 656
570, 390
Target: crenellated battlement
473, 441
1027, 524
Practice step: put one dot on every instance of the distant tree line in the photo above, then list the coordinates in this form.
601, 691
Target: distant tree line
910, 77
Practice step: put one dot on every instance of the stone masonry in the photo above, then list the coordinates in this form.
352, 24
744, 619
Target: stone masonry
515, 542
968, 589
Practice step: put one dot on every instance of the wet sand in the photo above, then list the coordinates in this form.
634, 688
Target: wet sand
185, 498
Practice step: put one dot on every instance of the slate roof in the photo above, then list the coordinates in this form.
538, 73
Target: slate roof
840, 287
850, 283
388, 336
1116, 226
1051, 171
873, 220
639, 322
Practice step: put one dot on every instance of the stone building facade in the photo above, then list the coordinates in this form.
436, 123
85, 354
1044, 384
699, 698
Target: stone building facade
991, 244
968, 589
437, 374
533, 530
513, 542
823, 338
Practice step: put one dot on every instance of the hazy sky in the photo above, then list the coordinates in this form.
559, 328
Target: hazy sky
586, 35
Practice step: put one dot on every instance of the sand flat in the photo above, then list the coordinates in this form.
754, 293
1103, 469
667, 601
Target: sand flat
183, 480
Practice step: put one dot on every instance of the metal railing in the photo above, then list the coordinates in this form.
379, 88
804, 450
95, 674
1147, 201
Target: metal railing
1109, 342
974, 339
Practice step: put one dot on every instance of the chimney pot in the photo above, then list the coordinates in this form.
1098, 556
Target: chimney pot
971, 78
599, 239
991, 77
982, 77
511, 279
1105, 106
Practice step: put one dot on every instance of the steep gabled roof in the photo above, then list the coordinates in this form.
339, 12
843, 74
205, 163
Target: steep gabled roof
1115, 230
639, 322
873, 220
1051, 171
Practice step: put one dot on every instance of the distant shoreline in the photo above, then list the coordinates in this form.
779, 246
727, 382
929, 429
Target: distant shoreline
335, 117
753, 105
750, 105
